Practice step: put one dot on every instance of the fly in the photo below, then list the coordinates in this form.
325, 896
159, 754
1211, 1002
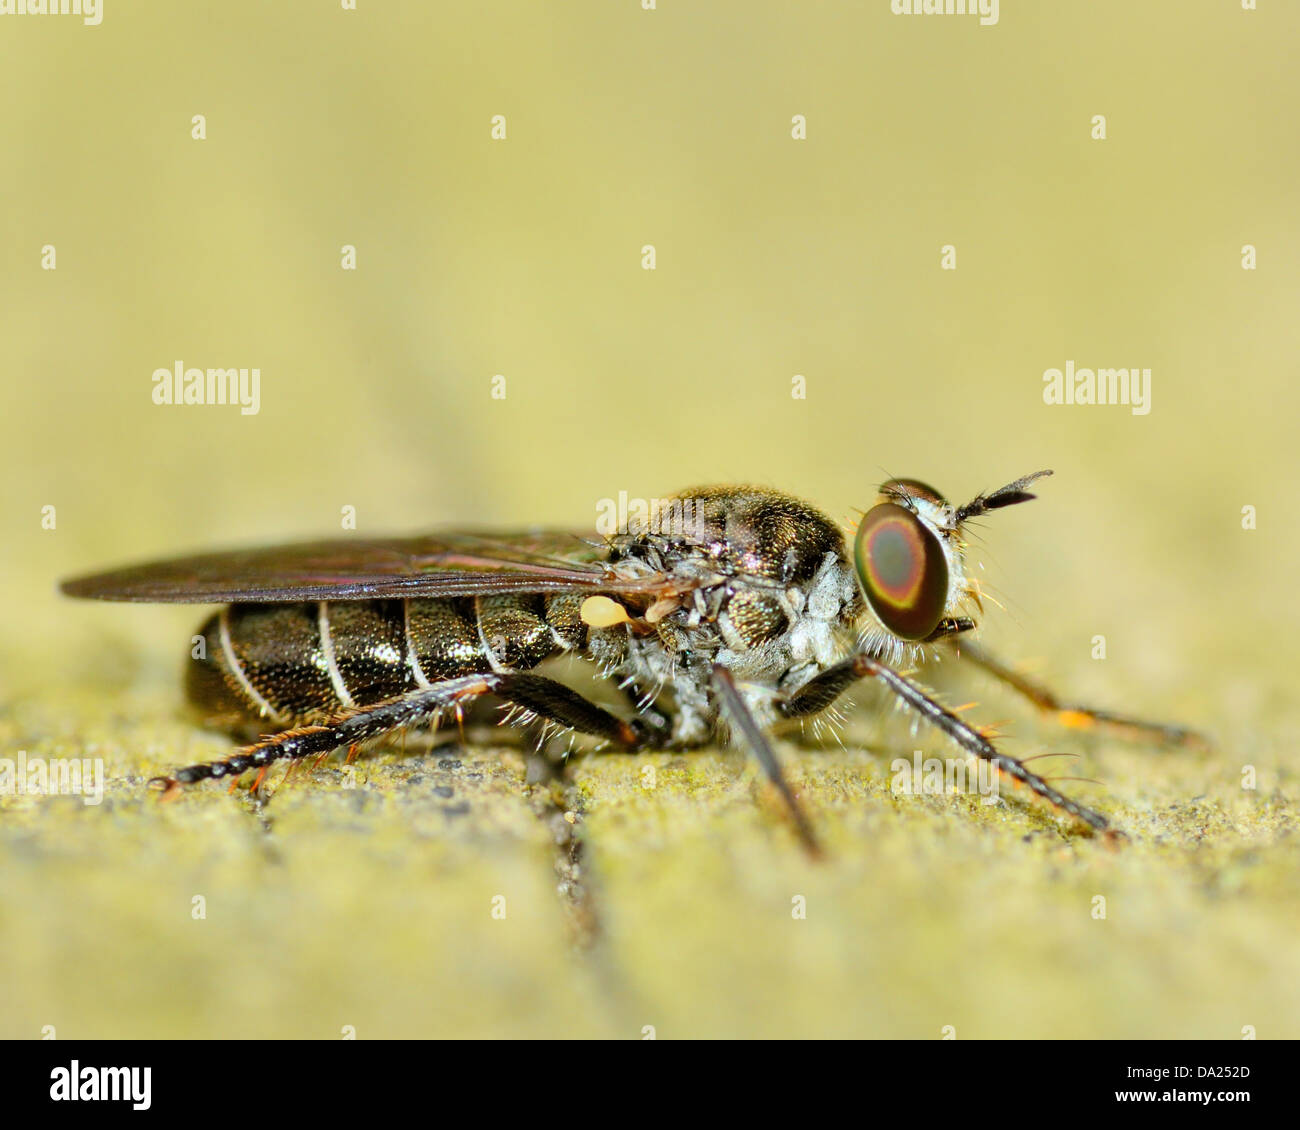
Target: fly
754, 613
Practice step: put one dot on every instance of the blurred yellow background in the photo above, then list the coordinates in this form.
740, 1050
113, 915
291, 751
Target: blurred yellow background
773, 257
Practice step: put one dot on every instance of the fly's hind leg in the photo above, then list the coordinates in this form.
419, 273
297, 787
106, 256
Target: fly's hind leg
655, 720
1073, 715
536, 695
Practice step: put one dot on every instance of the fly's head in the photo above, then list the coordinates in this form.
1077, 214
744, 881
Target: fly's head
910, 559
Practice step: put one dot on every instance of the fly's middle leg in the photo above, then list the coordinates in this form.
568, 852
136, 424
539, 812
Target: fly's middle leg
747, 729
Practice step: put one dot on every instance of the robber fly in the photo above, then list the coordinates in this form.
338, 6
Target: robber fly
757, 615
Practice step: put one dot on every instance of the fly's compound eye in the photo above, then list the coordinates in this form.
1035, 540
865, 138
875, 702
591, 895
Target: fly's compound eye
902, 569
912, 488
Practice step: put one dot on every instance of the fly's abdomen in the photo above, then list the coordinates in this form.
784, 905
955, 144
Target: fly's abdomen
287, 663
444, 639
450, 638
368, 641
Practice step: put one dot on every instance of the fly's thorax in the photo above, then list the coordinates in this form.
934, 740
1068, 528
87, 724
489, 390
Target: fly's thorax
730, 531
770, 637
767, 590
746, 531
765, 578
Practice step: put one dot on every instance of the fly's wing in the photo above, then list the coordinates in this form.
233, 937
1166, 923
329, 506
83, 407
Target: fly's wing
441, 565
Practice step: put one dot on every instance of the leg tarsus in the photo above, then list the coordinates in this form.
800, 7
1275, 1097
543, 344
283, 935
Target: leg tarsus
168, 788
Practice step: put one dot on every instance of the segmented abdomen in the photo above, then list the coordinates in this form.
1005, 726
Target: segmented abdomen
289, 663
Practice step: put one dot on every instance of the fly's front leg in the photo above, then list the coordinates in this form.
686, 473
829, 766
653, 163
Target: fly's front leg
541, 696
1073, 715
820, 692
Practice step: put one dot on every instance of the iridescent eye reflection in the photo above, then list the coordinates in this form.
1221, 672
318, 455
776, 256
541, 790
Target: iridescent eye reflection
902, 569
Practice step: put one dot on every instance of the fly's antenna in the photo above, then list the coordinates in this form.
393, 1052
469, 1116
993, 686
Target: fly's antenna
1008, 495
